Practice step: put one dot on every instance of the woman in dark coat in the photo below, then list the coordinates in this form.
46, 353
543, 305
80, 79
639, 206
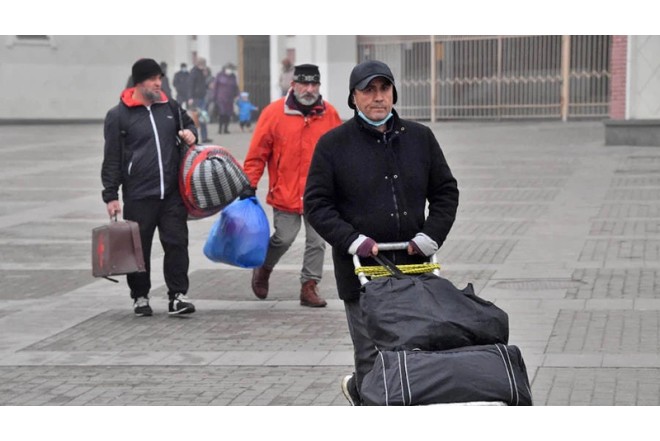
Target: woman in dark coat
225, 92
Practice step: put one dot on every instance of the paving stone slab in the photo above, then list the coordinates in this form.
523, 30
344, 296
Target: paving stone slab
502, 211
171, 385
596, 387
649, 209
613, 250
475, 251
615, 283
29, 284
51, 231
58, 255
206, 330
514, 182
600, 331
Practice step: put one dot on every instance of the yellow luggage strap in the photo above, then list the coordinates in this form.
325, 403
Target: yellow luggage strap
381, 271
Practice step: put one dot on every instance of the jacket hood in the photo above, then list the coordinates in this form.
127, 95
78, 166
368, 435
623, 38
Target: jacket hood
127, 97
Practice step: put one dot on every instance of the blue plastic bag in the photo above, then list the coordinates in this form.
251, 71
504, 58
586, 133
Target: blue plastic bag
240, 236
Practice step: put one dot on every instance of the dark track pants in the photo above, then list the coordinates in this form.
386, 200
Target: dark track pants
170, 217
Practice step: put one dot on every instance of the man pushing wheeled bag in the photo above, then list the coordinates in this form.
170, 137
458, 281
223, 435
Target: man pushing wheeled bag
369, 182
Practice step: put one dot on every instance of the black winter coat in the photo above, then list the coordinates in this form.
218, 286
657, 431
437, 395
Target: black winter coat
198, 84
148, 165
362, 181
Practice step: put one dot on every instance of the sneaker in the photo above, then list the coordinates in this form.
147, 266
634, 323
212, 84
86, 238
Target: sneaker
141, 307
350, 391
181, 305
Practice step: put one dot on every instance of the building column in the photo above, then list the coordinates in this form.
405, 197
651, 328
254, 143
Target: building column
618, 76
634, 87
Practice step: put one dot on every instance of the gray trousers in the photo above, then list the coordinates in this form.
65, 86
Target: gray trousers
287, 225
364, 350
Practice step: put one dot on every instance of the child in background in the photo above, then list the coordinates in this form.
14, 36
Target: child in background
245, 109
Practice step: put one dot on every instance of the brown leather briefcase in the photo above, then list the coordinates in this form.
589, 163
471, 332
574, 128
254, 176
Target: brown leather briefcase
117, 249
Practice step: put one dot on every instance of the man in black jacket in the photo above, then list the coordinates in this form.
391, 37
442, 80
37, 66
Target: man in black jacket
143, 156
199, 87
181, 83
369, 182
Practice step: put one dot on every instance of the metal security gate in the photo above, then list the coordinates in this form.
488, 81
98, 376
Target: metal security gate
496, 77
254, 70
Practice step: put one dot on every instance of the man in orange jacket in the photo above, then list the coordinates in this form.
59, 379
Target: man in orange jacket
284, 139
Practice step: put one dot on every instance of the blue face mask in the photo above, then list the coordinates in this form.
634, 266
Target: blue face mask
372, 122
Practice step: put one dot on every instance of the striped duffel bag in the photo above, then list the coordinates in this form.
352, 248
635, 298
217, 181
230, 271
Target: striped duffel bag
211, 179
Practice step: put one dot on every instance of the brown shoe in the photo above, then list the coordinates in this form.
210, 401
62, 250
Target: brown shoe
260, 278
309, 295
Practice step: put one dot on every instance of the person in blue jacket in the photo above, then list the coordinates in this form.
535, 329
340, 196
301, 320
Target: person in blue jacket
245, 109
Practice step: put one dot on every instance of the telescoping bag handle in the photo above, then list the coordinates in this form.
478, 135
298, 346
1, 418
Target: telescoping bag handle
389, 265
390, 268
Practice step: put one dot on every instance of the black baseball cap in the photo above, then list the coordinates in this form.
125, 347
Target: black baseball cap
366, 71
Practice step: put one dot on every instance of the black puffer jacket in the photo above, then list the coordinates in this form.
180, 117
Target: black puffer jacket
148, 165
362, 181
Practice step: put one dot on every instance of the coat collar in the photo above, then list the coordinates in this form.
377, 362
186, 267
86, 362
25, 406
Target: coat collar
293, 107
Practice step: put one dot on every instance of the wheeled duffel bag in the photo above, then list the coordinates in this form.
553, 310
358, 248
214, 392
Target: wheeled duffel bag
490, 373
427, 312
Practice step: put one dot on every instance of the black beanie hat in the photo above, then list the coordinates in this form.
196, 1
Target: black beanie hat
306, 73
145, 68
366, 71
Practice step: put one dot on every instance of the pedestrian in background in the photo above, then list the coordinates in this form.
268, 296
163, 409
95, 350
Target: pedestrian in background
369, 182
199, 86
225, 93
165, 82
284, 139
142, 156
286, 75
181, 83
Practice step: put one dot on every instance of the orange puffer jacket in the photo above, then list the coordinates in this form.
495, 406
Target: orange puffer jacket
285, 140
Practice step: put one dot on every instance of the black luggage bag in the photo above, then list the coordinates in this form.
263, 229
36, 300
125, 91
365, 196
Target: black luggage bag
490, 373
427, 312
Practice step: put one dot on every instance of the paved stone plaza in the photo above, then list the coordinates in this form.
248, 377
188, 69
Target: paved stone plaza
553, 226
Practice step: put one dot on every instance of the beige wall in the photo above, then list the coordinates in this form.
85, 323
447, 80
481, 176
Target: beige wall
72, 77
644, 77
80, 77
